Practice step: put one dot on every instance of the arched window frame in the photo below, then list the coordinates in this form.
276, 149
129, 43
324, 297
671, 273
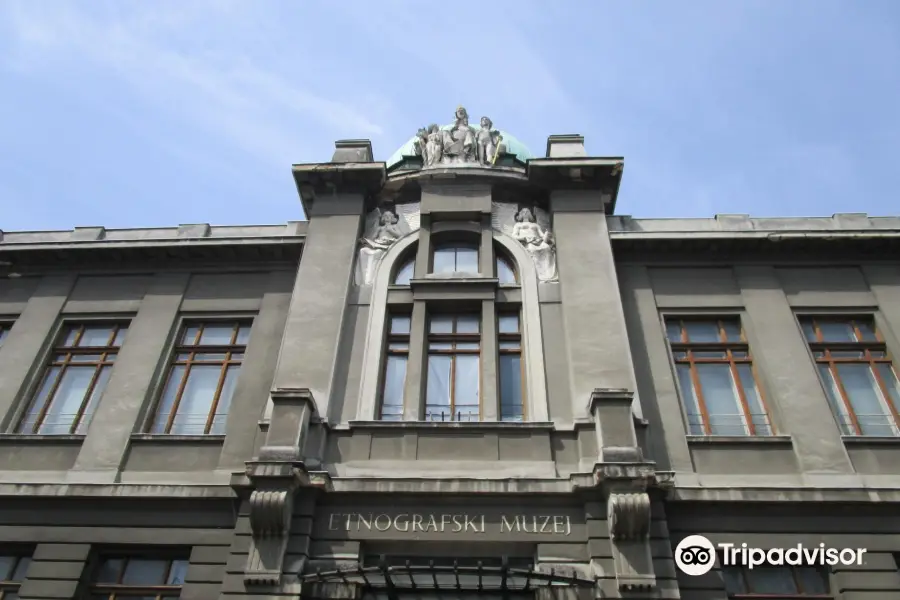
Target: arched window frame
535, 386
504, 261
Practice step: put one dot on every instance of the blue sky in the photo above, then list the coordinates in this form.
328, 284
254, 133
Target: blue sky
137, 114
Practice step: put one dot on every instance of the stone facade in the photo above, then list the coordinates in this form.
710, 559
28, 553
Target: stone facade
315, 478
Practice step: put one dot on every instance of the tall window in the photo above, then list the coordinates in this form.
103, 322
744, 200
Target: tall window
859, 378
455, 258
776, 582
716, 377
405, 272
512, 377
12, 572
454, 345
74, 379
202, 378
395, 368
138, 578
505, 271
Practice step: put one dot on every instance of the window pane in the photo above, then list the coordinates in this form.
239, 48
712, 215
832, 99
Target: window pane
85, 358
3, 333
510, 387
145, 572
405, 274
441, 324
217, 335
720, 355
210, 356
467, 260
398, 346
394, 380
228, 386
444, 260
190, 335
21, 569
836, 331
673, 331
473, 346
871, 411
120, 336
722, 405
177, 572
770, 580
67, 400
437, 396
504, 273
400, 324
732, 330
833, 394
467, 324
508, 323
196, 400
99, 386
754, 402
40, 400
812, 580
96, 335
734, 582
6, 566
167, 401
467, 375
689, 398
71, 336
109, 571
889, 377
509, 345
809, 331
440, 346
702, 331
867, 331
243, 335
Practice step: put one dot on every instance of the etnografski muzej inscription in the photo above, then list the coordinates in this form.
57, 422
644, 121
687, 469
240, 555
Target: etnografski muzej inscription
449, 523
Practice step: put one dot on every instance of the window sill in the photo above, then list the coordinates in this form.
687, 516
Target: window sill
38, 438
738, 439
516, 425
164, 438
865, 440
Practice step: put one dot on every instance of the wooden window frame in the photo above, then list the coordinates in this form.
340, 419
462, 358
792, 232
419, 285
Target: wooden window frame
723, 345
453, 339
390, 340
798, 584
866, 347
8, 586
192, 350
518, 338
74, 350
115, 590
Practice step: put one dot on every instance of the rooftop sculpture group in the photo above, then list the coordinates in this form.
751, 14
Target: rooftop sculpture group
460, 144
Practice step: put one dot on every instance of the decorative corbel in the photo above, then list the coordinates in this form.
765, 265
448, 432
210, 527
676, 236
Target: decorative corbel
275, 475
628, 516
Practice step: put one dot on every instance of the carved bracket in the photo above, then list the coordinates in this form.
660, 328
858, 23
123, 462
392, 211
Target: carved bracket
628, 516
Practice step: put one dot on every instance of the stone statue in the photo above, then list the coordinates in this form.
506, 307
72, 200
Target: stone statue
382, 231
434, 146
459, 141
538, 241
487, 142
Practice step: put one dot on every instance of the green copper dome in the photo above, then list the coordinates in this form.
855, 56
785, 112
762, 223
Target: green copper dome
513, 146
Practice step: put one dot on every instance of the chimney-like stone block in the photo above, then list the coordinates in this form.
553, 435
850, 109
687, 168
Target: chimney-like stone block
352, 151
570, 145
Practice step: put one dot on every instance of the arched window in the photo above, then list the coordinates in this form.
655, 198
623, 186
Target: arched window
505, 271
455, 258
405, 272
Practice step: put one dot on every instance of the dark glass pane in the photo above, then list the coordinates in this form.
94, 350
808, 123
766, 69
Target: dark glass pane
812, 580
834, 399
441, 324
96, 335
217, 335
6, 566
505, 274
210, 356
400, 324
508, 323
726, 417
3, 333
865, 395
177, 572
167, 400
732, 330
67, 400
405, 274
754, 400
196, 400
734, 581
710, 354
21, 568
867, 330
837, 331
673, 331
145, 572
770, 580
702, 331
808, 330
680, 355
467, 324
847, 354
40, 400
220, 418
740, 354
510, 387
109, 570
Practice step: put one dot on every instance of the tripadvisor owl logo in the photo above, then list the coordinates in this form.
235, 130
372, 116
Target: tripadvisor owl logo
695, 555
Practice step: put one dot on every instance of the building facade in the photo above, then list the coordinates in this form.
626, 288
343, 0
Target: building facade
464, 375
